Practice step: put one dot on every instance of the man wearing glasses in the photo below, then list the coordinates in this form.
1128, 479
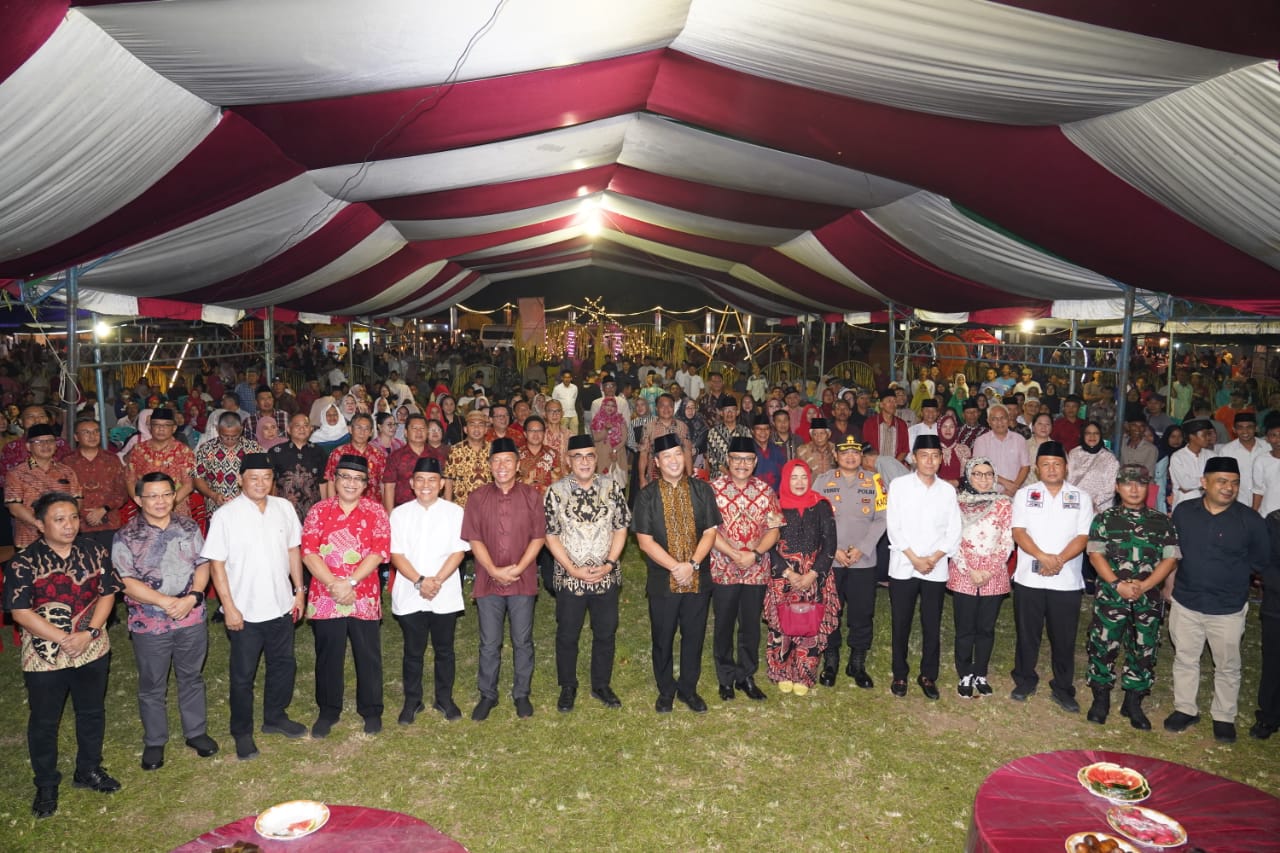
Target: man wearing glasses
39, 474
360, 445
157, 555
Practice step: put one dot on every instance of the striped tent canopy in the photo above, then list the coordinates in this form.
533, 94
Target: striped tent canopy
393, 157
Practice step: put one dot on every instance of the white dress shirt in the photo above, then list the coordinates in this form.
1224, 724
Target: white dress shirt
925, 518
1245, 459
254, 544
1185, 470
426, 536
1052, 521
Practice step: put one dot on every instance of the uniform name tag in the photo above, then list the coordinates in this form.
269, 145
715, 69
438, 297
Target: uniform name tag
1071, 500
1035, 498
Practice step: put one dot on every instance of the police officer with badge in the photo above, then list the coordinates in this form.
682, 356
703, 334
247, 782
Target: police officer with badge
1133, 549
860, 500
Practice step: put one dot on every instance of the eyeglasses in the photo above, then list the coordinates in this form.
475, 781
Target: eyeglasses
986, 475
158, 495
353, 478
43, 441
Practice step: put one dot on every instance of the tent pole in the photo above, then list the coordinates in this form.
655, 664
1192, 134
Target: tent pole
73, 355
351, 352
371, 349
893, 346
269, 332
906, 352
102, 387
1075, 340
822, 358
1126, 356
1168, 374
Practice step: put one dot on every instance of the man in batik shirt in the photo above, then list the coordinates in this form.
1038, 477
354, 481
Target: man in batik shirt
344, 540
164, 453
218, 461
362, 445
750, 518
298, 466
722, 434
1133, 549
587, 520
468, 467
819, 454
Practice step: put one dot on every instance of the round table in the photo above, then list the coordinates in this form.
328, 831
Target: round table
349, 828
1035, 803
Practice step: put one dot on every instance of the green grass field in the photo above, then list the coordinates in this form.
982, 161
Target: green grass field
840, 769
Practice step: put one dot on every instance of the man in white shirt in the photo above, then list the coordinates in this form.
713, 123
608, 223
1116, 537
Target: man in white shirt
1186, 466
1266, 471
924, 528
928, 423
1026, 386
1246, 449
566, 394
1051, 522
426, 549
253, 549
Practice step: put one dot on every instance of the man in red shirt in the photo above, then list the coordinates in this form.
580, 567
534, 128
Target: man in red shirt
1067, 428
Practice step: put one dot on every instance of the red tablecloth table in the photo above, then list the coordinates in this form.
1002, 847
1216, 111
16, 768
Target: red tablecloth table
1033, 804
349, 828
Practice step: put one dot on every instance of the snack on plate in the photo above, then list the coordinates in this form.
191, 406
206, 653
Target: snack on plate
1097, 842
1114, 782
1146, 826
294, 819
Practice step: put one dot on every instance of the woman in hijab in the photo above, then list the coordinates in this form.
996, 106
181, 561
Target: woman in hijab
979, 576
955, 453
959, 393
1172, 440
268, 433
609, 432
688, 413
349, 407
801, 606
332, 430
1092, 468
1041, 431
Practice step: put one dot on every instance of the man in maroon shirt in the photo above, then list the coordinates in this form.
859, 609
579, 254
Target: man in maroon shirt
506, 524
397, 479
1067, 428
102, 484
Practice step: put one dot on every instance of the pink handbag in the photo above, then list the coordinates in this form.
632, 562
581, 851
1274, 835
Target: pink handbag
800, 618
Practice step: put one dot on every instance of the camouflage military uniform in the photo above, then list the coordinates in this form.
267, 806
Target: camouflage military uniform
1133, 542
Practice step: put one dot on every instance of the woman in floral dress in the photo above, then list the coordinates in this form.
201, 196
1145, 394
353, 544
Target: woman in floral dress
800, 573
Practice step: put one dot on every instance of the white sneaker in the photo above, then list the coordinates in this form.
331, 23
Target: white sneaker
980, 684
965, 687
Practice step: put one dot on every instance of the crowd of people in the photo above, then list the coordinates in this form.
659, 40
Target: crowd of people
769, 506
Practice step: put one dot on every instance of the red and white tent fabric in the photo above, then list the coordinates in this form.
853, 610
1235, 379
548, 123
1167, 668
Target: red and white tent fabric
393, 157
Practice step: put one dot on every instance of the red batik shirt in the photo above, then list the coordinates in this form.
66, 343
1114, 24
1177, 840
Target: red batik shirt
747, 514
343, 540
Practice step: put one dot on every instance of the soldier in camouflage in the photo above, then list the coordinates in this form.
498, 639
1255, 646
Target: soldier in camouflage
1133, 549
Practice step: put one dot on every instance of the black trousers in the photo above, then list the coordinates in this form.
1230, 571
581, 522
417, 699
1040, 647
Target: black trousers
882, 558
857, 589
688, 613
975, 617
418, 628
736, 606
47, 696
1034, 611
902, 600
547, 571
331, 653
1269, 683
272, 640
571, 613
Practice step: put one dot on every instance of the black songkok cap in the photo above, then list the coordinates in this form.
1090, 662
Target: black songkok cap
580, 442
761, 419
1051, 448
1222, 465
427, 465
162, 415
926, 441
503, 445
41, 430
1245, 418
255, 462
352, 462
929, 403
665, 442
970, 403
741, 444
818, 423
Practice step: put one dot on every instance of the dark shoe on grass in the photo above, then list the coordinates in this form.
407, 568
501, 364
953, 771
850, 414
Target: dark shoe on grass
1180, 722
246, 749
607, 696
447, 707
524, 708
482, 709
726, 693
663, 705
372, 725
568, 698
321, 728
928, 688
1262, 731
289, 728
696, 703
828, 676
1022, 694
410, 712
898, 687
1132, 708
1065, 701
98, 780
46, 802
1224, 732
753, 692
152, 757
204, 745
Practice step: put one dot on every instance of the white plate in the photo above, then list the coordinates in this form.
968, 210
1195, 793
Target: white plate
1115, 795
1125, 846
1150, 816
294, 819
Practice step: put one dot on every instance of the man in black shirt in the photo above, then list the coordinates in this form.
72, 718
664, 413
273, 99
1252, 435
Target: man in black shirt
1222, 543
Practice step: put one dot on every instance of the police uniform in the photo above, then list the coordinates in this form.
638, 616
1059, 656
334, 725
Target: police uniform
1133, 543
860, 501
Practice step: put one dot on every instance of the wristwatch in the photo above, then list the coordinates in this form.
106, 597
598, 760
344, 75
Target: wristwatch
95, 633
613, 563
418, 583
199, 597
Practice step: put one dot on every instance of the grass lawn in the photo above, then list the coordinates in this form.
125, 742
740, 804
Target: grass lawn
840, 769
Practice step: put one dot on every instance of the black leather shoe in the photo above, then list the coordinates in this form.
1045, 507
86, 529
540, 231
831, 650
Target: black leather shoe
1021, 694
568, 695
46, 802
482, 709
204, 745
726, 692
1180, 722
246, 749
321, 728
1224, 732
607, 696
696, 703
749, 688
152, 757
663, 705
928, 688
98, 780
863, 680
524, 708
828, 676
372, 725
410, 712
898, 687
291, 729
1262, 731
1065, 701
447, 707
